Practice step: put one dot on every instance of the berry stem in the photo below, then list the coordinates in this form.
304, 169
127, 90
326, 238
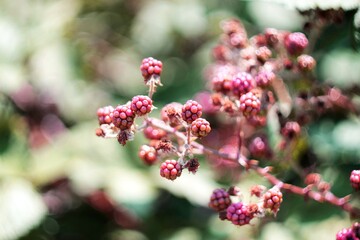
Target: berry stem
321, 197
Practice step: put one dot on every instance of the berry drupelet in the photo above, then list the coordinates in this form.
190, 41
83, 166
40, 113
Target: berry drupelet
219, 200
123, 117
170, 169
191, 111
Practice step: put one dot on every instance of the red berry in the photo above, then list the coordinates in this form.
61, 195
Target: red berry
200, 127
345, 234
222, 81
141, 105
271, 36
104, 114
170, 169
239, 214
272, 199
291, 130
147, 154
295, 43
258, 147
219, 200
238, 39
191, 111
123, 117
221, 53
355, 179
150, 66
154, 133
306, 63
249, 104
264, 78
263, 53
242, 83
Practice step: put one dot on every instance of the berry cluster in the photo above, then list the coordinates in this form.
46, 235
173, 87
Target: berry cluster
119, 122
352, 233
240, 213
250, 86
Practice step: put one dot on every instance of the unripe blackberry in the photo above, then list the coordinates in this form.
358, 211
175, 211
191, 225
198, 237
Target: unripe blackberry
271, 36
191, 111
295, 43
200, 127
141, 105
154, 133
238, 39
171, 113
221, 53
230, 26
239, 214
104, 115
147, 154
272, 199
355, 179
242, 83
264, 78
291, 130
258, 147
222, 82
306, 63
150, 66
346, 234
170, 169
219, 200
263, 53
123, 117
249, 104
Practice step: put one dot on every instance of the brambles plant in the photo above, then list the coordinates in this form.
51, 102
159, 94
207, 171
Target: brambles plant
254, 84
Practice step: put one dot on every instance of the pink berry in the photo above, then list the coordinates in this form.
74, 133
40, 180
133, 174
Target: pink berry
141, 105
219, 200
123, 117
272, 199
306, 63
264, 78
200, 127
170, 169
147, 154
263, 53
259, 147
104, 114
291, 130
191, 111
222, 81
250, 104
242, 83
355, 179
345, 234
295, 43
239, 214
150, 66
154, 133
271, 36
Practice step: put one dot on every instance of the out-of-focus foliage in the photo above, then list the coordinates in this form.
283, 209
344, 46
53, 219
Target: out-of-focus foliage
62, 59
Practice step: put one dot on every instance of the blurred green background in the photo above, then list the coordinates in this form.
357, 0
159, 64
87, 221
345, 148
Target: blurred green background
60, 60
